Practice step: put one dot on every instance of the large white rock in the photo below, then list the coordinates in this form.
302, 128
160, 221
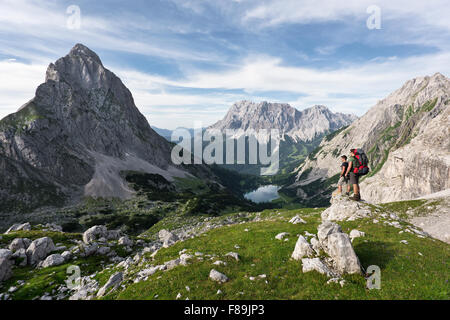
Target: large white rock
325, 229
94, 233
356, 234
342, 208
5, 269
66, 255
302, 249
5, 253
18, 227
167, 237
281, 235
341, 251
19, 243
52, 261
217, 276
39, 250
315, 264
114, 281
233, 255
297, 220
125, 241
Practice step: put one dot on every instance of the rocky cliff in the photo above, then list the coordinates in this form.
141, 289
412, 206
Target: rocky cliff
406, 137
75, 136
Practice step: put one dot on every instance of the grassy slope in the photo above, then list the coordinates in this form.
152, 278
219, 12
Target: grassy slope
404, 273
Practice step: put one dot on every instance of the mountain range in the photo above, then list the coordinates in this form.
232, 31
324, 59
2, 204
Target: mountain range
305, 125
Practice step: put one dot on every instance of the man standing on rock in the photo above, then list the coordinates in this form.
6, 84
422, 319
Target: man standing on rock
343, 181
353, 164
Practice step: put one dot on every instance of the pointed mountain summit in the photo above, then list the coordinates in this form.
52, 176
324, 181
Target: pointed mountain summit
75, 136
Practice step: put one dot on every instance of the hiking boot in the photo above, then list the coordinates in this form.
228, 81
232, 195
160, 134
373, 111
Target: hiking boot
356, 197
347, 194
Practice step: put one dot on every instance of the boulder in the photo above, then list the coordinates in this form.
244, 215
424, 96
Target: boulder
302, 249
52, 261
19, 243
233, 255
167, 237
39, 250
341, 251
114, 281
172, 264
125, 241
281, 235
85, 289
315, 264
342, 208
90, 250
184, 259
5, 253
66, 255
5, 269
325, 229
297, 220
18, 227
356, 234
217, 276
94, 233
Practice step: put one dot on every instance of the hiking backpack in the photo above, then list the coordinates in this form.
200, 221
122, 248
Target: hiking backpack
363, 168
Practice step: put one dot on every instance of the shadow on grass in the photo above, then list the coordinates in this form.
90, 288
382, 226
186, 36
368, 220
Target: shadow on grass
375, 253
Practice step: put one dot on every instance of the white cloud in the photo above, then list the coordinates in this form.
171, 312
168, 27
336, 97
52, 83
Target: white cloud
274, 12
20, 86
353, 88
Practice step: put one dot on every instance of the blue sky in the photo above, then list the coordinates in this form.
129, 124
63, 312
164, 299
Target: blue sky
186, 61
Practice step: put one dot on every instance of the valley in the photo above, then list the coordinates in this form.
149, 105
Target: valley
86, 184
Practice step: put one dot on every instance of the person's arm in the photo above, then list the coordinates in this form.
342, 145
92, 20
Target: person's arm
350, 164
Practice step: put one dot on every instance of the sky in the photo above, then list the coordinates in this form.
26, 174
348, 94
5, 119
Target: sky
190, 60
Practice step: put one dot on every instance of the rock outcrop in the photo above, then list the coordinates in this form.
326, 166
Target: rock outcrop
332, 253
5, 269
405, 137
342, 208
39, 250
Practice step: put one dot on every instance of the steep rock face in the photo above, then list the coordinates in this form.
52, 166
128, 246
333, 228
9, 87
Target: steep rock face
406, 139
302, 125
76, 135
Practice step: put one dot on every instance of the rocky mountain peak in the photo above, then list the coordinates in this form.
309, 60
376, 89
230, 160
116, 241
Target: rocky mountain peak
80, 50
78, 133
82, 69
302, 125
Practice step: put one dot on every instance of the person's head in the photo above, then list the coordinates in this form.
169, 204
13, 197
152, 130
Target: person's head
352, 152
343, 158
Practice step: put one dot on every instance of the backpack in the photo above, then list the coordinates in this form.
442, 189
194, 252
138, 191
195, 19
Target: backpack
363, 168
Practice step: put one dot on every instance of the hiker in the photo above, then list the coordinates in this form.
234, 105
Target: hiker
343, 180
352, 173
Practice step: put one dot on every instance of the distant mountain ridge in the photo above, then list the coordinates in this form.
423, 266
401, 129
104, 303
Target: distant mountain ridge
303, 125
